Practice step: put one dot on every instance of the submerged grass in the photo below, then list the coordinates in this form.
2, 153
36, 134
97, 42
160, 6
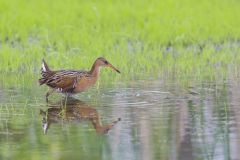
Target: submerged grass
142, 38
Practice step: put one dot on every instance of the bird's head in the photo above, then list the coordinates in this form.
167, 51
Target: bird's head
104, 63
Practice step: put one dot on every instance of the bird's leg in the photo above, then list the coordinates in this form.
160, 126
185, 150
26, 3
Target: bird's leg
48, 93
67, 95
65, 102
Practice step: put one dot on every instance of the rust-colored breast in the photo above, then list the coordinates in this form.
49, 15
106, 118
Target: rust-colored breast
84, 83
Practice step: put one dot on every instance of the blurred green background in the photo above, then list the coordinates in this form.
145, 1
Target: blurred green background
142, 38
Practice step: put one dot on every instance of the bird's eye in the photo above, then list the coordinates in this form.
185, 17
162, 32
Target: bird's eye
106, 62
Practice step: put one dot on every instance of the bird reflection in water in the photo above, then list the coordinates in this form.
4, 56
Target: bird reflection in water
73, 110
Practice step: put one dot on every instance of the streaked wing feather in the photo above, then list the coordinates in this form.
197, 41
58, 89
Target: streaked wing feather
65, 81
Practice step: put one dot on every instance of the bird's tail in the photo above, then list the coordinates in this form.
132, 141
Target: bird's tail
45, 72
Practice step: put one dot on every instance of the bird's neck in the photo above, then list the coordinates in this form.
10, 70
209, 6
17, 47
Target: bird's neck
95, 70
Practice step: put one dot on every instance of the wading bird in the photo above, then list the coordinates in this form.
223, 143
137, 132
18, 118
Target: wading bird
72, 81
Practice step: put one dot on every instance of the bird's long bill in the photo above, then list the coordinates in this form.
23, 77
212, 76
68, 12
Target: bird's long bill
113, 68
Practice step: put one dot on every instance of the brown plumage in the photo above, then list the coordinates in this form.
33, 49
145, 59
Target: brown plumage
72, 81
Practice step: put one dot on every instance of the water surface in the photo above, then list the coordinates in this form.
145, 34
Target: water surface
145, 119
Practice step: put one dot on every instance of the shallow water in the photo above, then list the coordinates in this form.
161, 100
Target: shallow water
158, 120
